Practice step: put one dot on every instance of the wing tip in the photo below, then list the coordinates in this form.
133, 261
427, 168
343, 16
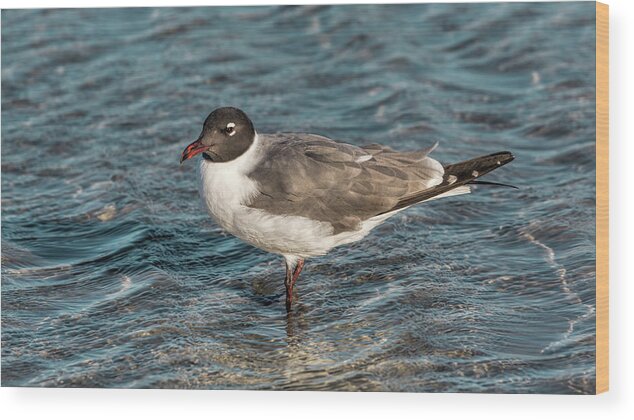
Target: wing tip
504, 157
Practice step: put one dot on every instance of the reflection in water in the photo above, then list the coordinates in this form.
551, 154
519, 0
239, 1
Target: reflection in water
291, 322
112, 276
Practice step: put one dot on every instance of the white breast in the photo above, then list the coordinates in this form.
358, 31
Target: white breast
225, 188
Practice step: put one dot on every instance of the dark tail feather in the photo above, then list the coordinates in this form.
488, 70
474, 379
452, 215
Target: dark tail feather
471, 169
497, 184
459, 174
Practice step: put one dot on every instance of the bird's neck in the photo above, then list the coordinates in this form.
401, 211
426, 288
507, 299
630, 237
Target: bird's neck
243, 164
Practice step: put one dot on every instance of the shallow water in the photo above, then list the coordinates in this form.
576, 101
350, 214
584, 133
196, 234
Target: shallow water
113, 276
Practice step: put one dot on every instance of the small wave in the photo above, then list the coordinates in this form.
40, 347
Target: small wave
570, 295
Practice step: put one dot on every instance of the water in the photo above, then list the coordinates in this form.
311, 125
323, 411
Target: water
113, 276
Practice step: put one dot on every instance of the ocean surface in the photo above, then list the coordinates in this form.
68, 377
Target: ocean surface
114, 276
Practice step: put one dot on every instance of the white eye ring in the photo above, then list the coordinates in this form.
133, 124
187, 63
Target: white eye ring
230, 129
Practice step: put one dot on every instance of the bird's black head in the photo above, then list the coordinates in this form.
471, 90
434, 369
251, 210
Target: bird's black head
227, 134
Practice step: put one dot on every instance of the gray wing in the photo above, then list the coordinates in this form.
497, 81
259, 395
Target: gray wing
312, 176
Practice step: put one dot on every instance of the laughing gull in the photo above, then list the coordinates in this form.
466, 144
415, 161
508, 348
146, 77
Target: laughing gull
300, 195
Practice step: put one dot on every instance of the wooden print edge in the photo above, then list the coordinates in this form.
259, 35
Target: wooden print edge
602, 198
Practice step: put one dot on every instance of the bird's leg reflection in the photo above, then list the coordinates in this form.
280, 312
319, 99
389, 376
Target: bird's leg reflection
295, 327
290, 327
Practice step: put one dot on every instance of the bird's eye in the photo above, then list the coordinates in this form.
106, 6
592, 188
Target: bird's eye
231, 129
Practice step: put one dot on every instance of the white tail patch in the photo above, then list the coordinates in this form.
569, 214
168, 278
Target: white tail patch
464, 189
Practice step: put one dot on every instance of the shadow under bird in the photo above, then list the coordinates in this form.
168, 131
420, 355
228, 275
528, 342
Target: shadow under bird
299, 195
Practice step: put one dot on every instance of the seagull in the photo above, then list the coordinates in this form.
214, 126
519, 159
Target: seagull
300, 195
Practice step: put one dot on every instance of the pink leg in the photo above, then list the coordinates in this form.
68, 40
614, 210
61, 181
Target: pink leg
291, 278
298, 269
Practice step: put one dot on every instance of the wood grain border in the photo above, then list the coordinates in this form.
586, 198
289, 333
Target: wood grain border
602, 201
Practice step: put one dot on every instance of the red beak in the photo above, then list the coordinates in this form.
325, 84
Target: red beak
192, 150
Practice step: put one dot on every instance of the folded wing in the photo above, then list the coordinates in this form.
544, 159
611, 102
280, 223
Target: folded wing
341, 184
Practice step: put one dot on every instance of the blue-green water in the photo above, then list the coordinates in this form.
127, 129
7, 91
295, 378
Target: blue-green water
113, 275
